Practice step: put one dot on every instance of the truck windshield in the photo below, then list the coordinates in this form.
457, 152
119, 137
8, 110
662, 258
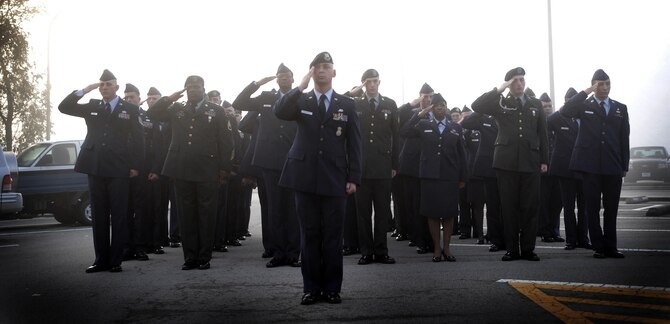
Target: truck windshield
27, 157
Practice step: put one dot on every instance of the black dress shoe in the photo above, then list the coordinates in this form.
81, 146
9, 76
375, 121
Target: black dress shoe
274, 262
401, 237
116, 268
411, 243
587, 246
204, 265
614, 254
494, 248
332, 298
220, 248
175, 244
449, 257
96, 268
247, 234
464, 237
548, 239
366, 259
349, 251
189, 265
234, 243
558, 239
159, 250
242, 238
395, 234
530, 256
510, 256
480, 242
296, 263
141, 256
437, 258
266, 254
384, 259
309, 299
570, 246
598, 254
423, 250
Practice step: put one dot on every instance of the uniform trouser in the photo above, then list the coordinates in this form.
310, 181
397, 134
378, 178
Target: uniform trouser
234, 213
263, 201
161, 212
197, 204
221, 215
549, 220
175, 231
519, 202
411, 208
351, 224
109, 196
138, 218
576, 228
282, 217
402, 223
321, 221
373, 193
154, 227
246, 209
603, 238
464, 224
495, 230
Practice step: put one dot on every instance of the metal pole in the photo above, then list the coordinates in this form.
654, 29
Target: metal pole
551, 55
48, 92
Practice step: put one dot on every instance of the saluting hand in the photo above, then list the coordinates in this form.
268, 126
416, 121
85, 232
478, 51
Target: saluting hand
175, 96
357, 89
592, 88
425, 111
305, 80
153, 177
507, 83
417, 102
134, 173
265, 80
90, 87
351, 188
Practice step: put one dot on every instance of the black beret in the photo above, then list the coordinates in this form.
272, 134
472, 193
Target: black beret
107, 76
570, 93
131, 88
514, 72
153, 92
214, 93
456, 110
600, 75
370, 73
323, 57
226, 104
438, 99
466, 109
283, 69
529, 92
426, 89
194, 79
545, 97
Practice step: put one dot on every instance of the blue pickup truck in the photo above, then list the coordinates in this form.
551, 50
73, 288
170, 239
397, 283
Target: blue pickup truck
49, 184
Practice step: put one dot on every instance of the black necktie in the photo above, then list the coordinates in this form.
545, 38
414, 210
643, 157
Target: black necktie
372, 105
602, 107
322, 106
108, 108
519, 103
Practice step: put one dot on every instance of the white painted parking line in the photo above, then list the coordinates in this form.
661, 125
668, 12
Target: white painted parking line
562, 247
645, 208
9, 245
46, 232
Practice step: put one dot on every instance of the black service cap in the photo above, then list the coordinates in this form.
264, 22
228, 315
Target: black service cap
514, 72
131, 88
323, 57
153, 92
570, 93
194, 79
600, 75
545, 97
426, 89
107, 76
283, 69
370, 73
438, 99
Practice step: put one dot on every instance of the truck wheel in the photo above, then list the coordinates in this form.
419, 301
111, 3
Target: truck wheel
83, 212
64, 217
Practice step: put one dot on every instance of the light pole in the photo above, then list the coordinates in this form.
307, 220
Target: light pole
48, 92
551, 54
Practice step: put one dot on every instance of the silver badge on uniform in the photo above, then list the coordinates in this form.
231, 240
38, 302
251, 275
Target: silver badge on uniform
124, 115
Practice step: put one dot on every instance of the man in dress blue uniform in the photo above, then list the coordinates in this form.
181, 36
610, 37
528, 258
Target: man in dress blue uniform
111, 154
323, 167
521, 153
601, 154
549, 216
198, 160
275, 137
379, 133
565, 133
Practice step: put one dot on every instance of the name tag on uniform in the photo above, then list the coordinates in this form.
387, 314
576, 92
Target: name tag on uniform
487, 125
565, 128
94, 113
427, 130
267, 105
588, 112
306, 112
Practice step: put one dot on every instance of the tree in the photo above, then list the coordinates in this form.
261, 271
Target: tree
22, 112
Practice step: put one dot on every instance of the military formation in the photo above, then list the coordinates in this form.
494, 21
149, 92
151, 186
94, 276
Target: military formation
336, 173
